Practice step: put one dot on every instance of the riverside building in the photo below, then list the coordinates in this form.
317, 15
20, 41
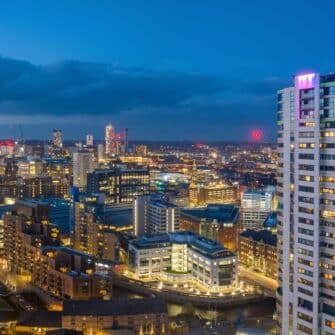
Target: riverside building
306, 215
182, 257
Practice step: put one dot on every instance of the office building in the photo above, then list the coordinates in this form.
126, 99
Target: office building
109, 139
215, 192
163, 217
29, 168
119, 185
256, 204
216, 222
58, 167
306, 213
40, 187
82, 165
258, 250
152, 216
141, 214
184, 256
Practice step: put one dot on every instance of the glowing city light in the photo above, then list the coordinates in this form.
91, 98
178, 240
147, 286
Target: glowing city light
256, 135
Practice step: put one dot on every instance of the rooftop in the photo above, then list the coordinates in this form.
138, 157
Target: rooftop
203, 245
270, 221
162, 204
258, 191
43, 319
67, 250
221, 213
260, 235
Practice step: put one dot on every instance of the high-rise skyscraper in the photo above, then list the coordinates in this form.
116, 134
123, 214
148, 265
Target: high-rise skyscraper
82, 165
89, 140
109, 139
101, 152
57, 138
306, 214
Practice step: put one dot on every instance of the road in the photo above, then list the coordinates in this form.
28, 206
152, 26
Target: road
270, 285
182, 297
17, 286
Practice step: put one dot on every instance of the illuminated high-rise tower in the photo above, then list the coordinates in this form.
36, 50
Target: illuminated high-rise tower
101, 152
57, 138
109, 139
82, 165
306, 213
89, 140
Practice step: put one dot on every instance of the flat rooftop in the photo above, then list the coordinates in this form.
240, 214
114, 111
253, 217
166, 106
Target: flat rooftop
203, 245
261, 236
221, 213
162, 204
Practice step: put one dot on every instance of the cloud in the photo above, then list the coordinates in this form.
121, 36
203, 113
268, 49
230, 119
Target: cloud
43, 94
72, 87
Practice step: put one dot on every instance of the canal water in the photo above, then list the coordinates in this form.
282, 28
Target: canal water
258, 310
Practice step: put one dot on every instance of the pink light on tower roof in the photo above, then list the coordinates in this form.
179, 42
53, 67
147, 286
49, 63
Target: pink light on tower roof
306, 81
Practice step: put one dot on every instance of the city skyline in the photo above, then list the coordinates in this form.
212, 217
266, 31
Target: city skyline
217, 63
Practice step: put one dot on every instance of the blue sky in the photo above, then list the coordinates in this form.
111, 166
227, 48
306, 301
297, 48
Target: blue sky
198, 70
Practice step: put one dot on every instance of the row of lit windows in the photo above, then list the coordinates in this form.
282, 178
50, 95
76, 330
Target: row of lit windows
325, 190
306, 145
327, 179
328, 214
306, 178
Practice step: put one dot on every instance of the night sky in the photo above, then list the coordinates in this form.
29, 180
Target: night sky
181, 70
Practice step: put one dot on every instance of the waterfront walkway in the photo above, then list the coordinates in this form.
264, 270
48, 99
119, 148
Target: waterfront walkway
251, 277
179, 297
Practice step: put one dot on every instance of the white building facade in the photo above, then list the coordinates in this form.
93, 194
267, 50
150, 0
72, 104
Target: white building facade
183, 257
306, 213
152, 216
82, 165
109, 139
256, 204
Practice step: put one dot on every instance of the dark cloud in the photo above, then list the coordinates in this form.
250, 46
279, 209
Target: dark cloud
84, 88
203, 103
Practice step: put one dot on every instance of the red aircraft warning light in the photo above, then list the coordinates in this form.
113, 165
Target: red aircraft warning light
256, 135
6, 143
